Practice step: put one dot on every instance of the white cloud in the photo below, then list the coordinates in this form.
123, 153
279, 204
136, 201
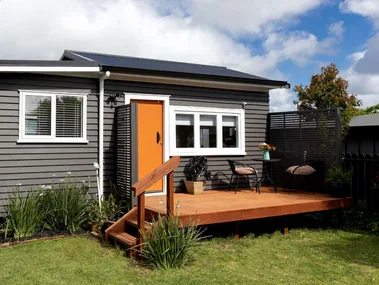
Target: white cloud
282, 100
366, 86
165, 29
337, 29
365, 8
239, 17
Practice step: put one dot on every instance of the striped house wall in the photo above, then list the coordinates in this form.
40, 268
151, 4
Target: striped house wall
33, 164
255, 121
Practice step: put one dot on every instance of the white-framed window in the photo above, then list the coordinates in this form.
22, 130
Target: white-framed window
206, 131
53, 117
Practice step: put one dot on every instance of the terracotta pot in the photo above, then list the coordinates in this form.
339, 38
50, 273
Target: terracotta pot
194, 187
109, 223
95, 227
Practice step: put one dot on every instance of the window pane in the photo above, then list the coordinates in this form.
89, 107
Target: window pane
184, 131
229, 131
208, 131
37, 115
69, 116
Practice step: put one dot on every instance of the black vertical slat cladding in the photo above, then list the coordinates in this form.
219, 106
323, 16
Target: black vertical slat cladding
123, 116
315, 131
127, 149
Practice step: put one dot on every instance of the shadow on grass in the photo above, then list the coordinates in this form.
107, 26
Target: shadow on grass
362, 249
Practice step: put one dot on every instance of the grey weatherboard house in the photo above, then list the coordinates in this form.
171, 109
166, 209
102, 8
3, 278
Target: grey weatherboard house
59, 116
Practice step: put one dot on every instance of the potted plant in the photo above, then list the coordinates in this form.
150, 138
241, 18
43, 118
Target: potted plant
339, 180
196, 172
265, 148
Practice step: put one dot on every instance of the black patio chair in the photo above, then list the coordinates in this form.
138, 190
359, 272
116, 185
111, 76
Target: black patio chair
306, 168
240, 169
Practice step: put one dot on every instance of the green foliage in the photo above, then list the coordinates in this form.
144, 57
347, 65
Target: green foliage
110, 210
169, 244
326, 91
196, 167
64, 206
23, 217
339, 176
361, 218
369, 110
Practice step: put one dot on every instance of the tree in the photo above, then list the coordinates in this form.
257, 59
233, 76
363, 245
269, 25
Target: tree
369, 110
327, 90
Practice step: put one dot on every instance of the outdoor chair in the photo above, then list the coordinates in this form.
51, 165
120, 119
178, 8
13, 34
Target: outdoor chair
240, 169
303, 169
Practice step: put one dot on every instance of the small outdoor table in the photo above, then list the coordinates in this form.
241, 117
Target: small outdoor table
267, 166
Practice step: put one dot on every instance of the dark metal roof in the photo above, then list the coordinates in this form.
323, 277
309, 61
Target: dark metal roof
49, 63
365, 120
168, 67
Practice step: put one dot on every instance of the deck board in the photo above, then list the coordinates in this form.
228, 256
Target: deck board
219, 206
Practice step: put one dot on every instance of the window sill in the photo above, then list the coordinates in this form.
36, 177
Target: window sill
208, 153
69, 141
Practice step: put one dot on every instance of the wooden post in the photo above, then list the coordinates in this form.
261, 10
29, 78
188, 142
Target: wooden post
170, 194
285, 230
141, 219
236, 230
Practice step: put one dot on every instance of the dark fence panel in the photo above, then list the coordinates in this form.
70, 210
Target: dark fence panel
315, 134
364, 186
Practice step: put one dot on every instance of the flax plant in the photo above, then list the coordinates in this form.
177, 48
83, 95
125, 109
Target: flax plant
23, 215
170, 244
64, 206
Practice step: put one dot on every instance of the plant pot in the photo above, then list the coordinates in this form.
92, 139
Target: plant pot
266, 155
194, 187
109, 223
338, 190
95, 227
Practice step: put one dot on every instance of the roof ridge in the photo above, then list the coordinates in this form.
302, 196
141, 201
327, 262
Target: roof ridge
141, 58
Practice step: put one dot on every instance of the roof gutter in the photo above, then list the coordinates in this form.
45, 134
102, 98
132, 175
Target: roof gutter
100, 189
21, 69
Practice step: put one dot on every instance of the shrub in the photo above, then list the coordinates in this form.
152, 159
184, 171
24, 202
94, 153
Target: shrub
169, 244
339, 176
196, 167
23, 215
64, 206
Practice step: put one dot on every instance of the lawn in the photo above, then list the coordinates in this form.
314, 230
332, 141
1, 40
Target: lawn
301, 257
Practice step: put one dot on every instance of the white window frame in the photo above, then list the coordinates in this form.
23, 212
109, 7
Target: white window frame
197, 150
51, 138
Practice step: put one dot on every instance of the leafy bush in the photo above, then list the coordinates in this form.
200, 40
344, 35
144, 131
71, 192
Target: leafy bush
64, 206
196, 167
23, 217
339, 176
110, 210
169, 244
362, 219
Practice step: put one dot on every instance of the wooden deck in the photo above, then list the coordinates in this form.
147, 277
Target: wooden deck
219, 206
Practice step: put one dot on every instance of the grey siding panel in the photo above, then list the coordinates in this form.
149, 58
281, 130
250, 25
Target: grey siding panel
35, 164
255, 113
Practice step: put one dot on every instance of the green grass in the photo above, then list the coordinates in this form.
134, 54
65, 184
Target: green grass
302, 257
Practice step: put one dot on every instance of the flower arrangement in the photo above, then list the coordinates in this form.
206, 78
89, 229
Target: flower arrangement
266, 147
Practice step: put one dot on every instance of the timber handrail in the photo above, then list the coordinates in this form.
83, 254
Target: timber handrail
142, 185
156, 175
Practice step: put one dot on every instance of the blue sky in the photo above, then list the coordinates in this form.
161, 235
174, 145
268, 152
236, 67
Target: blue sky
284, 40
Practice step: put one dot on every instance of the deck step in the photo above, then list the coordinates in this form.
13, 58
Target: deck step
133, 221
124, 238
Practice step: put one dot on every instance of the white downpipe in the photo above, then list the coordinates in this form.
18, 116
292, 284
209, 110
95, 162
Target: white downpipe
100, 189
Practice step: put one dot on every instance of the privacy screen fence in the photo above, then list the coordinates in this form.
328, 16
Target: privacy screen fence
361, 155
314, 135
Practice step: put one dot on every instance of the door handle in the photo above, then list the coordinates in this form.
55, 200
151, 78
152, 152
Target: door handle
158, 137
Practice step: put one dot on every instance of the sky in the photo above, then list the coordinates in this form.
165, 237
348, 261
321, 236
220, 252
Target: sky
282, 40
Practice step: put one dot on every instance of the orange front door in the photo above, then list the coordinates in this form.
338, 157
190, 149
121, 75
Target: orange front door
150, 139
